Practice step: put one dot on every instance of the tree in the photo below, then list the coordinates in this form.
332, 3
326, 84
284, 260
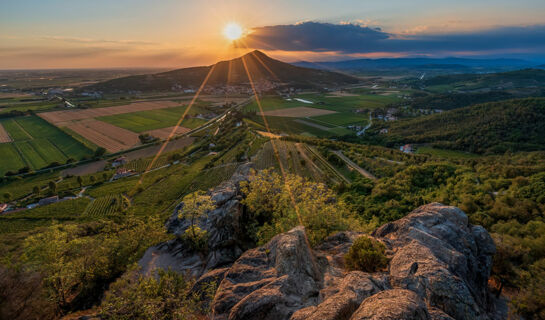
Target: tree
92, 179
36, 190
80, 181
7, 196
100, 151
196, 205
52, 186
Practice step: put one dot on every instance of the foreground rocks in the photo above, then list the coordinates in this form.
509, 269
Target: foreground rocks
226, 234
439, 269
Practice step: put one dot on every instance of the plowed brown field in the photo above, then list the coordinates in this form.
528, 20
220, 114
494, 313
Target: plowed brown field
103, 134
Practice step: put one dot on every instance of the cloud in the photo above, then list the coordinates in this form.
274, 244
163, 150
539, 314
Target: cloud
312, 36
348, 38
96, 41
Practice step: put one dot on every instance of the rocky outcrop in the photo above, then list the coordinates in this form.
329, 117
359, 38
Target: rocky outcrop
438, 270
226, 233
442, 258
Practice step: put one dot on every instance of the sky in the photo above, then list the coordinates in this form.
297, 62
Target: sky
179, 33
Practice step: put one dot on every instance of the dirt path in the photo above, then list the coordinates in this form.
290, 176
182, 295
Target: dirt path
4, 136
352, 164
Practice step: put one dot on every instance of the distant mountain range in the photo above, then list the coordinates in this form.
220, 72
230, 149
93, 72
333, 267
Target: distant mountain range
261, 67
422, 64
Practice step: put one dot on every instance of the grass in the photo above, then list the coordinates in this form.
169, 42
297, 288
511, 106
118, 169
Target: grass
348, 103
69, 210
343, 119
37, 144
273, 103
447, 154
155, 119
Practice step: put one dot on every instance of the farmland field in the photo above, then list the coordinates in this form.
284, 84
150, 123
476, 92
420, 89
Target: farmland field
107, 205
60, 117
111, 137
297, 112
37, 144
342, 119
4, 136
157, 119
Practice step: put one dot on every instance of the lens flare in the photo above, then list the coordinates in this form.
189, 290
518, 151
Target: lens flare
232, 31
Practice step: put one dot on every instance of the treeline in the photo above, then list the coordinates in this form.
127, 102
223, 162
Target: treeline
491, 128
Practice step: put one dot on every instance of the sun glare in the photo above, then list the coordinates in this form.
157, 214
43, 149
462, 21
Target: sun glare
232, 31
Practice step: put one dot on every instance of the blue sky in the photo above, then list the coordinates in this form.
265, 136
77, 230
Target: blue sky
122, 33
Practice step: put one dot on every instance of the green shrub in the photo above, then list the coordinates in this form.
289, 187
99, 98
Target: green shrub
367, 255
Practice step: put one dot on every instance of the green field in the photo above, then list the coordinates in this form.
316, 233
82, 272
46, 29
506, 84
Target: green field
37, 144
273, 103
343, 119
345, 106
155, 119
448, 154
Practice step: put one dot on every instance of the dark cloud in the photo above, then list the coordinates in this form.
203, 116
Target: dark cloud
349, 38
313, 36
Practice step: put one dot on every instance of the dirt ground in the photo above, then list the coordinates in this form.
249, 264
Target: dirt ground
103, 134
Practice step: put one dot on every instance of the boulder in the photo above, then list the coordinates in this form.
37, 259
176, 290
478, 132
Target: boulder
443, 258
439, 266
394, 304
270, 282
227, 238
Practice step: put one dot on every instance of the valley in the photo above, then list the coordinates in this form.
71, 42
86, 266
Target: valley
109, 178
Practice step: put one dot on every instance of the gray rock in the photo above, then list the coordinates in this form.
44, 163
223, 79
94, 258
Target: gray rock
226, 237
394, 304
438, 270
270, 282
438, 255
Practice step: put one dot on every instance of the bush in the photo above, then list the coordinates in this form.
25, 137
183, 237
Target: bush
196, 238
166, 296
367, 255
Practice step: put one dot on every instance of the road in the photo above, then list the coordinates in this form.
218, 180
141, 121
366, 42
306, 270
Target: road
362, 132
352, 164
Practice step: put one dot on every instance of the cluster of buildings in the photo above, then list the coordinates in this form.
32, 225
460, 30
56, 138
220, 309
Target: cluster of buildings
407, 148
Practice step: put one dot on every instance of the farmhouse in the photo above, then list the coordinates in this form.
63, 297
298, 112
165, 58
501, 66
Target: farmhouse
121, 173
408, 148
119, 161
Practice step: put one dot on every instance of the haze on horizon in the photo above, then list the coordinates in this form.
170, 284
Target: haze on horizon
136, 33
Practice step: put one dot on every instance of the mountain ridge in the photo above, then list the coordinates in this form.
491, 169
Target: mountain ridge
262, 68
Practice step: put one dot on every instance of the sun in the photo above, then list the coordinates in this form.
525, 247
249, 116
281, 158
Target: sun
232, 31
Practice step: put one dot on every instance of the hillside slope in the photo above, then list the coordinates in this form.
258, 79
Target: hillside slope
495, 127
232, 72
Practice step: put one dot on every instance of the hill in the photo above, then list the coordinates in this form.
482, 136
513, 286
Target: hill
421, 64
503, 80
495, 127
262, 68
